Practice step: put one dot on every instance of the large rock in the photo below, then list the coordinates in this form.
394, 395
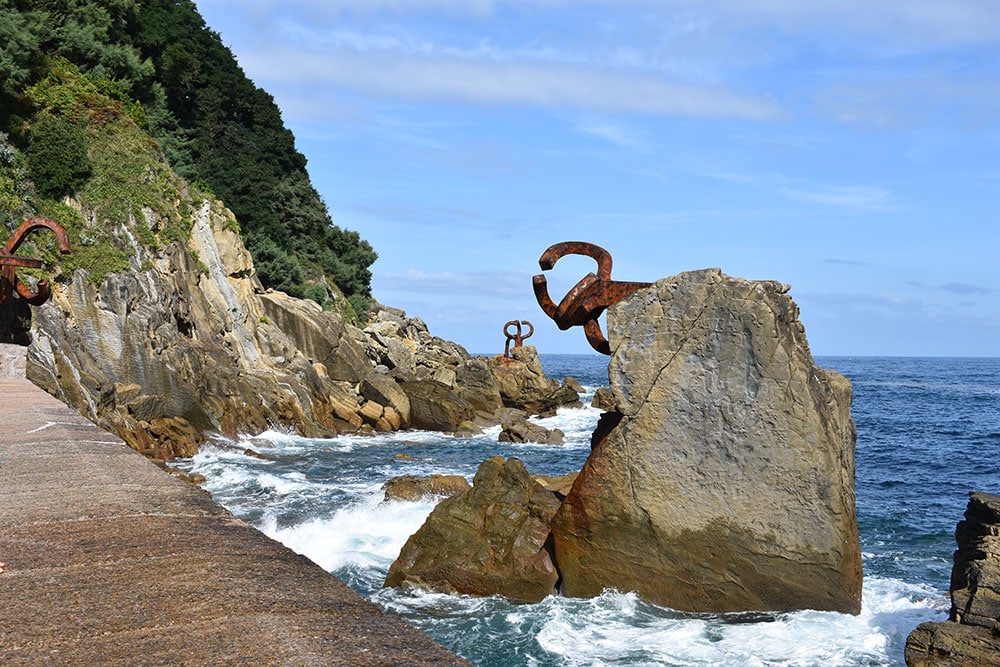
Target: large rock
489, 540
725, 481
180, 346
415, 487
435, 407
523, 385
515, 427
971, 636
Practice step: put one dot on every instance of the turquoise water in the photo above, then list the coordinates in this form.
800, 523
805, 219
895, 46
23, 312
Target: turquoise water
928, 433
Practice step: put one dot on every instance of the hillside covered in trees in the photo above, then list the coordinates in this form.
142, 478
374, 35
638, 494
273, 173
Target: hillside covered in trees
68, 66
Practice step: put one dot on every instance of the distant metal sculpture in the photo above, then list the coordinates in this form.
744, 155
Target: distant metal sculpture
9, 282
517, 338
590, 297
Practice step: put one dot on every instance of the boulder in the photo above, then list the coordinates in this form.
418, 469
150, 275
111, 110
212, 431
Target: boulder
558, 484
434, 407
971, 635
490, 540
415, 487
382, 389
522, 383
726, 481
603, 400
515, 427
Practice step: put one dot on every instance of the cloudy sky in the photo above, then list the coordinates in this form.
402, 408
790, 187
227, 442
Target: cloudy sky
847, 148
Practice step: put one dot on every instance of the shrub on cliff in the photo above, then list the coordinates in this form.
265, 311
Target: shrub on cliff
57, 156
174, 76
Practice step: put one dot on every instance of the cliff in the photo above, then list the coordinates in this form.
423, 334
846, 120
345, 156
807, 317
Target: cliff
721, 478
971, 635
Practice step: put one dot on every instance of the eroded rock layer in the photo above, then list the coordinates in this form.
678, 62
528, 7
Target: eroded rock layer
726, 482
971, 635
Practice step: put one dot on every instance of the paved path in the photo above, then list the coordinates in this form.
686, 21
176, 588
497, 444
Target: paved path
111, 561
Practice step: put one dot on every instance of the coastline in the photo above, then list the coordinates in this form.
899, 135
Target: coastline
110, 560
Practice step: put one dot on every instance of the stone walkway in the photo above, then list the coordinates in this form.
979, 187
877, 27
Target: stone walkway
110, 561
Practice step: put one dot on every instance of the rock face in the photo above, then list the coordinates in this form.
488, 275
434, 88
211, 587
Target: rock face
186, 344
522, 384
177, 348
515, 427
492, 539
725, 481
971, 636
413, 487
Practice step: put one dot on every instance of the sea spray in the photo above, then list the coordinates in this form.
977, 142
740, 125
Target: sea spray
323, 498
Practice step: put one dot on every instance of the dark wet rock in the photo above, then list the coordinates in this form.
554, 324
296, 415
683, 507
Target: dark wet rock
515, 427
489, 540
971, 635
414, 487
603, 400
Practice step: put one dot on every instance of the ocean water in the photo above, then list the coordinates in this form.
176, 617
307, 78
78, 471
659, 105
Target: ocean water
928, 433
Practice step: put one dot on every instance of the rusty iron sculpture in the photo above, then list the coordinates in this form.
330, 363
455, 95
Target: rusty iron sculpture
9, 263
590, 297
517, 337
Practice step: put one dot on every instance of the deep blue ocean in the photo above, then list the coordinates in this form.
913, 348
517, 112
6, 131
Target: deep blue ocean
928, 434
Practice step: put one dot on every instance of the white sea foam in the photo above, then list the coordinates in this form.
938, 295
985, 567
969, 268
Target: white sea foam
368, 532
339, 520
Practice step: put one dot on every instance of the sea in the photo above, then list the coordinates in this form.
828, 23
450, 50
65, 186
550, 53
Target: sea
928, 434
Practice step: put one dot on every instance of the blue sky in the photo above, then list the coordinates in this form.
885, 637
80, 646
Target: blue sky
847, 148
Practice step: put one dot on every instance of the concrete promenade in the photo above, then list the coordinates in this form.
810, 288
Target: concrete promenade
110, 561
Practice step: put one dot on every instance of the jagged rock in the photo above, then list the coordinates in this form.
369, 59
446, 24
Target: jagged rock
488, 540
559, 484
320, 336
971, 636
603, 399
562, 396
522, 383
434, 407
385, 391
413, 487
726, 483
515, 427
189, 344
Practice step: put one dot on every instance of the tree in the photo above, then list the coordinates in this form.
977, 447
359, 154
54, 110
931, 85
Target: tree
57, 156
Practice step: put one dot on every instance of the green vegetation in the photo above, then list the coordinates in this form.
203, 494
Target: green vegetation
83, 85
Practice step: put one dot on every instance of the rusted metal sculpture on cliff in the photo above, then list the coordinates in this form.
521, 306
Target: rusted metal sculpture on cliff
9, 263
517, 337
590, 297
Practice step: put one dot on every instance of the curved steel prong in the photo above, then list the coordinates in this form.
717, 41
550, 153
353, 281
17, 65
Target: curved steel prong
9, 282
596, 337
586, 300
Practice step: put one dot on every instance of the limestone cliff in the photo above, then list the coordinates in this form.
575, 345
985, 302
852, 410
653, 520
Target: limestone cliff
181, 345
185, 343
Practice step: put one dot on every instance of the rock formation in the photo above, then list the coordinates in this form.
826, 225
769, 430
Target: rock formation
488, 540
523, 385
413, 487
722, 481
186, 344
971, 635
727, 482
515, 427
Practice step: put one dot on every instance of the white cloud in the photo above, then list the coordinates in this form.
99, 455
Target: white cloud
479, 283
533, 85
849, 196
612, 133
